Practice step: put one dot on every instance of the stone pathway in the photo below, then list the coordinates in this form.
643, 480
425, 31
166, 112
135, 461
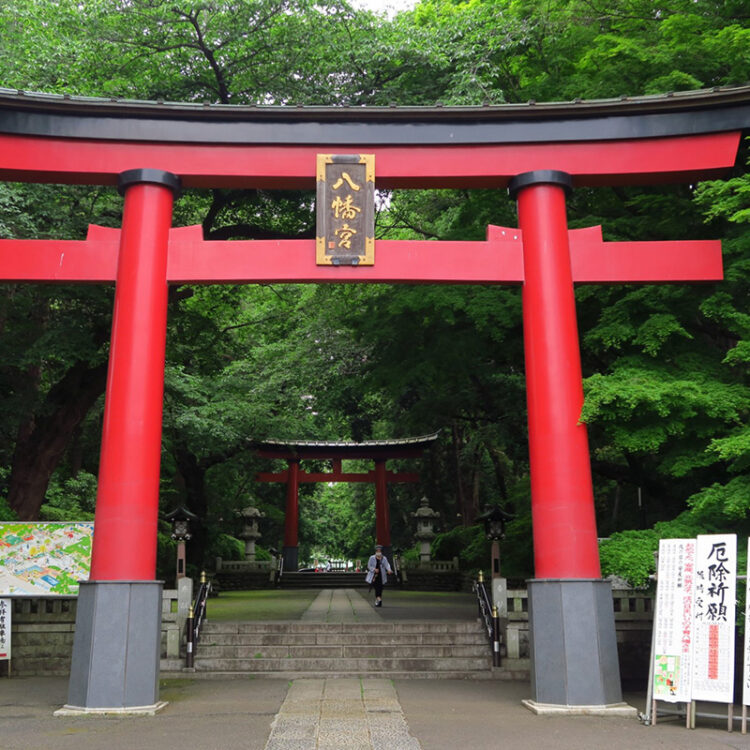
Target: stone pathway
340, 605
341, 714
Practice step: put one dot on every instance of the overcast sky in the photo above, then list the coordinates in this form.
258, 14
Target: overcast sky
391, 6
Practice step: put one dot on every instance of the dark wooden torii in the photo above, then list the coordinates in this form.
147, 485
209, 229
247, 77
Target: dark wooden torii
379, 451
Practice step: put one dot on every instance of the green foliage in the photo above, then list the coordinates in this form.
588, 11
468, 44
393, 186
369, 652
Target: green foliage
467, 543
72, 499
227, 548
667, 391
630, 554
6, 514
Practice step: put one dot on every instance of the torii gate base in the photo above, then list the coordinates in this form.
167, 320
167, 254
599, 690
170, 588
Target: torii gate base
116, 648
574, 648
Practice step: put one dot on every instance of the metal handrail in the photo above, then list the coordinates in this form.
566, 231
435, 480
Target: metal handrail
396, 570
488, 616
279, 570
195, 618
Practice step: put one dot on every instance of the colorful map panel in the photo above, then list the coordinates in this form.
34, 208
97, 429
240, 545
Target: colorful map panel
44, 558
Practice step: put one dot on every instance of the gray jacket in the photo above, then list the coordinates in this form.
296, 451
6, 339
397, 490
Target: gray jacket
385, 569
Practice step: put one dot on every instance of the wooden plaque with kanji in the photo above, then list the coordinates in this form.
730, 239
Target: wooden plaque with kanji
345, 210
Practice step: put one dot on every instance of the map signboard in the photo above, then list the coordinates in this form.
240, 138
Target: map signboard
44, 559
673, 624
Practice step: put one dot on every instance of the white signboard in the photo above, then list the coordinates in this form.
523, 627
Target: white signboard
714, 610
4, 629
673, 624
746, 653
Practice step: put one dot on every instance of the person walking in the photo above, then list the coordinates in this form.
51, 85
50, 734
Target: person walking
378, 569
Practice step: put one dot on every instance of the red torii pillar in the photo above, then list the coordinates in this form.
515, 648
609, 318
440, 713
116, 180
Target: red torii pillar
117, 644
290, 549
574, 657
382, 512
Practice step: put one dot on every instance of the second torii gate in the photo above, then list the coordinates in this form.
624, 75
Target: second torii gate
538, 151
378, 451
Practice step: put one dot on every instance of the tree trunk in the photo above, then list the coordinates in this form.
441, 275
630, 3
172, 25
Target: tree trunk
459, 478
193, 476
42, 441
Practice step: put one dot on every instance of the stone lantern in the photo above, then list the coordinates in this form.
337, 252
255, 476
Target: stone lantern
494, 520
250, 532
180, 518
426, 518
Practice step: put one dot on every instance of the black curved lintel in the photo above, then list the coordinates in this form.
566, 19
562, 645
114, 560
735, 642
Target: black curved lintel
686, 113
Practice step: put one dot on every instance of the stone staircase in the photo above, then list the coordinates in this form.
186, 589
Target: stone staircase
291, 650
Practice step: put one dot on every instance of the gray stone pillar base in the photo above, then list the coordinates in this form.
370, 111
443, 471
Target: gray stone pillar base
116, 649
291, 558
573, 644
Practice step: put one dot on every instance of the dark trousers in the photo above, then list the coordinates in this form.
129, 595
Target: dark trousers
378, 585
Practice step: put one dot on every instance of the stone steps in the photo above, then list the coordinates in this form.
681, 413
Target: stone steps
455, 650
400, 651
327, 639
398, 628
342, 664
175, 669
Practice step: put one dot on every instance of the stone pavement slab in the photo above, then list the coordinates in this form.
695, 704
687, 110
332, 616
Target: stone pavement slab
340, 605
200, 714
451, 714
341, 714
428, 714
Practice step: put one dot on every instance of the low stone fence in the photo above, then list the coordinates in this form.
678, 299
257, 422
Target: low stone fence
240, 575
432, 566
42, 630
242, 566
634, 615
41, 635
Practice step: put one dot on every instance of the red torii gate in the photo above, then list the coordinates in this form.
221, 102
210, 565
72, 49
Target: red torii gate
538, 151
378, 451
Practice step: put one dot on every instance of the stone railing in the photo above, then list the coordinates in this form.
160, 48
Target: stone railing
633, 623
42, 630
433, 566
242, 566
175, 604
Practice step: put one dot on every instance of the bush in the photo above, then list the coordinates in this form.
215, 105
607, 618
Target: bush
630, 554
467, 543
226, 547
6, 514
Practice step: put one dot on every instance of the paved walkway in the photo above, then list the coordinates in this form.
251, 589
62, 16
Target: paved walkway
336, 714
249, 714
340, 605
345, 714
